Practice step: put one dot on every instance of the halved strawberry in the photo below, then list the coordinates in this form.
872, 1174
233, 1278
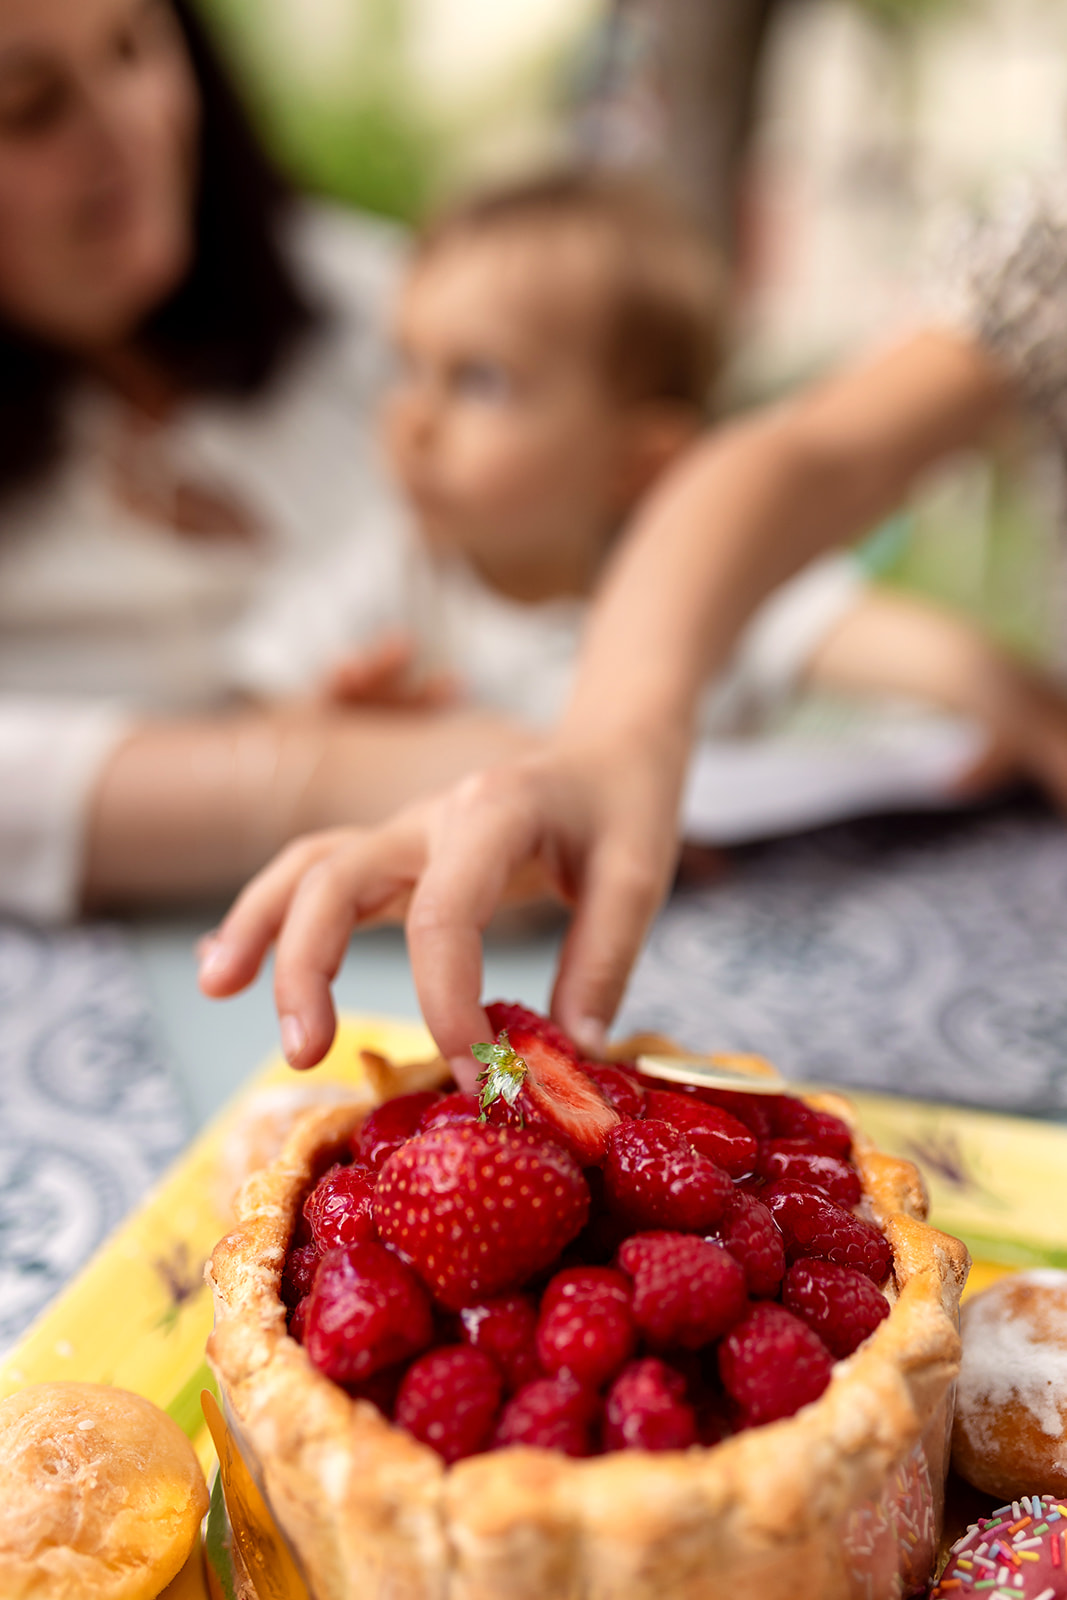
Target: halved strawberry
528, 1071
505, 1016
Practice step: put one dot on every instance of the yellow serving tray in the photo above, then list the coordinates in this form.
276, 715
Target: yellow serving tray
139, 1314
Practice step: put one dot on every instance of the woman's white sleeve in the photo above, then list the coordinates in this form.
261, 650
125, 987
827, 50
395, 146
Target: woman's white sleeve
51, 754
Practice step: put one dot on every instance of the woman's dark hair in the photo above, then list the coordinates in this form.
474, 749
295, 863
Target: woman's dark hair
228, 324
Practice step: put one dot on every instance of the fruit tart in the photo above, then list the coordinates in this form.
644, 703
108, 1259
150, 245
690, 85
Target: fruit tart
590, 1333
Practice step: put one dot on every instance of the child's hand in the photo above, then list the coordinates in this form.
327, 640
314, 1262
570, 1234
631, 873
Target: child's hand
596, 824
385, 675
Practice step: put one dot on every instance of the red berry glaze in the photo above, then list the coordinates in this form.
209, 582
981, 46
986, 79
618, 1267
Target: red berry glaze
687, 1291
812, 1225
713, 1132
840, 1305
365, 1311
339, 1208
390, 1125
298, 1274
449, 1399
806, 1163
506, 1330
478, 1210
754, 1239
771, 1364
646, 1409
551, 1414
795, 1119
653, 1178
586, 1326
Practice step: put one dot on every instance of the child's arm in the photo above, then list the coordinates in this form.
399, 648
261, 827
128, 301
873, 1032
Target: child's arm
598, 808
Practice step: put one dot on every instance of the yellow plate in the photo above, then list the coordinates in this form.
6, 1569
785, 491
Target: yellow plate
139, 1315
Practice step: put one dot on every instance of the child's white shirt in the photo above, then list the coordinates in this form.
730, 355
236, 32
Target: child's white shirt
516, 658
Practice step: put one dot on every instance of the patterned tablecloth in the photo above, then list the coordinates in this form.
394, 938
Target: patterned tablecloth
89, 1114
925, 956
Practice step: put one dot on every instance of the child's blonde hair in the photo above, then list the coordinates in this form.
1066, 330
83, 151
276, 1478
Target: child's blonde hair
661, 328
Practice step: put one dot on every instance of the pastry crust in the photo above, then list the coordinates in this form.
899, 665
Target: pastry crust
796, 1510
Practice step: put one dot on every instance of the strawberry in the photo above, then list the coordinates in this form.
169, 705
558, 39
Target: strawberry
530, 1072
478, 1210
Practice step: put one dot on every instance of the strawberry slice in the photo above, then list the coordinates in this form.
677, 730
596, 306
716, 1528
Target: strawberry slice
527, 1070
505, 1016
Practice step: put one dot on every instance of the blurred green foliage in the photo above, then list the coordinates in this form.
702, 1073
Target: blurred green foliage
360, 139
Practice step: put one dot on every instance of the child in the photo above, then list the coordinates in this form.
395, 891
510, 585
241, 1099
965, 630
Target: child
557, 349
558, 343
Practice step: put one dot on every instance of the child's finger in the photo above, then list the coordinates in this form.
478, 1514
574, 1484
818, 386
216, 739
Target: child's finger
477, 846
333, 897
617, 900
230, 958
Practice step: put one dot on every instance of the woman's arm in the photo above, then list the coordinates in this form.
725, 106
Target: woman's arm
188, 809
597, 808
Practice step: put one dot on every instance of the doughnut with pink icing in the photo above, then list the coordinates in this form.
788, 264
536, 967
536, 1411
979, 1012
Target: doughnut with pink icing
1019, 1553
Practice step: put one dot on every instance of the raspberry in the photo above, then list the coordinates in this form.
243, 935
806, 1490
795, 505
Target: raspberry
390, 1125
478, 1210
339, 1208
687, 1291
551, 1414
449, 1399
655, 1179
753, 1237
751, 1109
841, 1306
366, 1311
713, 1132
646, 1409
772, 1364
807, 1163
506, 1330
298, 1320
381, 1388
298, 1274
586, 1326
619, 1086
812, 1225
794, 1119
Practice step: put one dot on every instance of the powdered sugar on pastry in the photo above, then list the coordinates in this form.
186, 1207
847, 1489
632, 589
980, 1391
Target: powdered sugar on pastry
1012, 1394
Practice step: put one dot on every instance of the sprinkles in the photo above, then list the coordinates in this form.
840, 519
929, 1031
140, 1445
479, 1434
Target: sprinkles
1000, 1556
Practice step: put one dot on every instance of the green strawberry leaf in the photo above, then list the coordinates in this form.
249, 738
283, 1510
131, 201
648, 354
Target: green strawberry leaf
503, 1073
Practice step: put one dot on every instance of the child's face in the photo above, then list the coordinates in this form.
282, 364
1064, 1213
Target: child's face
500, 427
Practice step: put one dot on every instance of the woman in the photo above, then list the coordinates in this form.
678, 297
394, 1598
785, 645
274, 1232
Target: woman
597, 808
188, 362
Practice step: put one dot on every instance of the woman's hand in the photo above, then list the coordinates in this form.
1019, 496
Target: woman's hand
595, 821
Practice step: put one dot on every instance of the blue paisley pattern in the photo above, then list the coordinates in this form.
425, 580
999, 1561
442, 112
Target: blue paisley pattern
922, 956
89, 1115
